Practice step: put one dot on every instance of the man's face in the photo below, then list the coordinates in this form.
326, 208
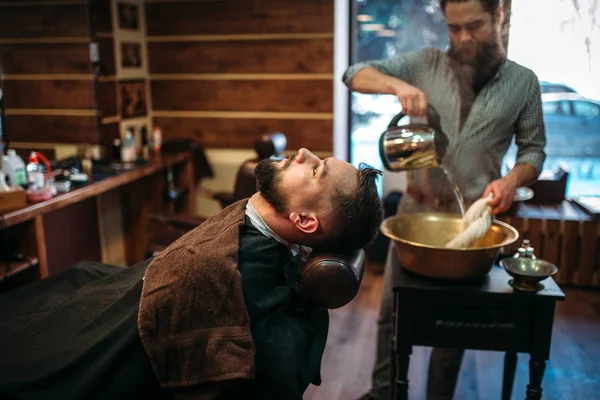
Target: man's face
474, 33
305, 183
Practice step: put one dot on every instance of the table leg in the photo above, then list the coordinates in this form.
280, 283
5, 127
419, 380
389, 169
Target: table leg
401, 381
536, 374
510, 366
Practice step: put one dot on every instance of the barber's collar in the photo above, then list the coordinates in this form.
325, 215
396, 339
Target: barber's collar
261, 225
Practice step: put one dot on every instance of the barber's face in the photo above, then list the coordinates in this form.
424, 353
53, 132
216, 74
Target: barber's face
472, 31
304, 182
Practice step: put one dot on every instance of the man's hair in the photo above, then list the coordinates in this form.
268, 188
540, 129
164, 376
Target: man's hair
357, 216
489, 6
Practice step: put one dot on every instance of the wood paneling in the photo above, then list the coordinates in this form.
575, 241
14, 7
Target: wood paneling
106, 98
239, 17
242, 133
262, 56
108, 133
43, 21
225, 60
294, 96
50, 154
61, 94
46, 58
101, 16
52, 129
107, 56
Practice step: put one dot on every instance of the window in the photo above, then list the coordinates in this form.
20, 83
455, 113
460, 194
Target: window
381, 29
565, 32
586, 109
550, 107
568, 33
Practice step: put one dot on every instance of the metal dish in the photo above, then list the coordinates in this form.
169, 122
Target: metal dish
528, 272
419, 240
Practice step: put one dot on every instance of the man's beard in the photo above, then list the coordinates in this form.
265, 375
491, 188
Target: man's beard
268, 180
488, 57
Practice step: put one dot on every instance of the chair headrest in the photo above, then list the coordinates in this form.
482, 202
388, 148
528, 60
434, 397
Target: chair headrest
333, 280
272, 145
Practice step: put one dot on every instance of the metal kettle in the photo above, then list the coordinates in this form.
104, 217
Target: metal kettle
413, 146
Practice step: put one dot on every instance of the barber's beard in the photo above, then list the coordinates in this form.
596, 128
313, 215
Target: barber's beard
479, 70
268, 179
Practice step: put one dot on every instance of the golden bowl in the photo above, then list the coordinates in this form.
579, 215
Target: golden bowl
419, 240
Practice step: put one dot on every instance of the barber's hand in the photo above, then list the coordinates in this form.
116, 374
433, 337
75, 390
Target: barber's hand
504, 193
414, 101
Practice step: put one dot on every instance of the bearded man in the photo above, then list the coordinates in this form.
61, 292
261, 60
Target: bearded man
219, 314
483, 100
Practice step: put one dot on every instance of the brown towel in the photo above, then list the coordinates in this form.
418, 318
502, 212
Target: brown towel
192, 319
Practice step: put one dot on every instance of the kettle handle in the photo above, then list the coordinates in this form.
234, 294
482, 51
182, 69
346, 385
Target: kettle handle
433, 118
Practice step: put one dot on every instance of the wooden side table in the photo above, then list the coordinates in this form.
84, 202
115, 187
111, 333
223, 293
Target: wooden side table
486, 314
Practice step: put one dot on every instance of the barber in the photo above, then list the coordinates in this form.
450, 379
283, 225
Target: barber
483, 100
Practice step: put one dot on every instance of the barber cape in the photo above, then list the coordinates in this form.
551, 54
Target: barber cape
192, 318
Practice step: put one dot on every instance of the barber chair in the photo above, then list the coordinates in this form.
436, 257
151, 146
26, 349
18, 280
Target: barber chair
333, 280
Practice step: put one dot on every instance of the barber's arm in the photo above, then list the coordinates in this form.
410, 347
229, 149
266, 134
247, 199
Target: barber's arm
395, 76
530, 137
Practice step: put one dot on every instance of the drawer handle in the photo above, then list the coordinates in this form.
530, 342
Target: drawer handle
474, 325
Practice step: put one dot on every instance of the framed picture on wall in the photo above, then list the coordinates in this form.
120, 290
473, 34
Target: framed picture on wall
131, 55
128, 16
132, 98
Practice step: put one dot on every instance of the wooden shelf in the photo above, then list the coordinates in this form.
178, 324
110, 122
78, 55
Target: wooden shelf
16, 266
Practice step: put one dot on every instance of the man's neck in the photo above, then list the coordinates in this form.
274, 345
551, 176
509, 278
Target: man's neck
268, 214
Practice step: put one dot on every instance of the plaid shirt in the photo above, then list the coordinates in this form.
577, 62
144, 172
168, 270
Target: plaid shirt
509, 104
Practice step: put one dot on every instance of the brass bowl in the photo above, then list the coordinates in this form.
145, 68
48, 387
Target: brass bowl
528, 272
419, 240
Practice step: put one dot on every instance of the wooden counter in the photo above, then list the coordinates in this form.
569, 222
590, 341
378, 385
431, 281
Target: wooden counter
92, 189
66, 229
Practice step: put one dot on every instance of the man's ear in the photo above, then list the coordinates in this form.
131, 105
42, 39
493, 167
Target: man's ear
305, 222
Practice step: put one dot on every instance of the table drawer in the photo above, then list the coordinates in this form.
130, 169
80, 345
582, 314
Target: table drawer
475, 326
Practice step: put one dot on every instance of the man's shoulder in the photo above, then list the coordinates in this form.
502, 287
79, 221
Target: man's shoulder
428, 54
213, 235
518, 70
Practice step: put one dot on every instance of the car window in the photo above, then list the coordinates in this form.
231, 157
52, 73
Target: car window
550, 107
565, 108
586, 109
556, 107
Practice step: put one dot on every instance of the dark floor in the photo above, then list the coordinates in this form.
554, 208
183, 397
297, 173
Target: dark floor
573, 371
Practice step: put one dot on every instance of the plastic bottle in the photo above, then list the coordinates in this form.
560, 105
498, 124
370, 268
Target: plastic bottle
14, 167
36, 172
157, 139
128, 148
3, 186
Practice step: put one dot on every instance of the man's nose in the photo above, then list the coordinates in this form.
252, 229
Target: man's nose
465, 37
305, 155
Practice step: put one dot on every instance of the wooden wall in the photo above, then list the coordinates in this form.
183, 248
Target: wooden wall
225, 72
48, 85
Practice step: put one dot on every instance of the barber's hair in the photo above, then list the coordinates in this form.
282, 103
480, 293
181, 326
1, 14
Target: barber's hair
489, 6
358, 215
